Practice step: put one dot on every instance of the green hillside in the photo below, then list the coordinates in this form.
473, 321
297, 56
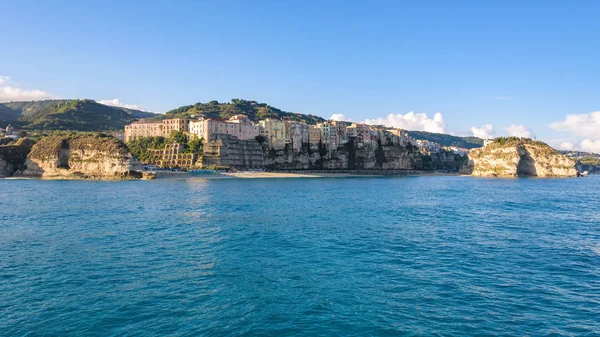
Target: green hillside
447, 140
79, 115
88, 115
254, 110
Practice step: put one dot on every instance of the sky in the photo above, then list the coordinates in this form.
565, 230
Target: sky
483, 68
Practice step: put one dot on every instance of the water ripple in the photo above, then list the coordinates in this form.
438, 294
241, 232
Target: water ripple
328, 257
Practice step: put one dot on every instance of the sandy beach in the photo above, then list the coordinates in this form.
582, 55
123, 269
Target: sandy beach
252, 175
255, 175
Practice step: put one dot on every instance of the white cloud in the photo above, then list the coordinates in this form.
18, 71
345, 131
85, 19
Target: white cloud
412, 121
568, 146
586, 145
117, 103
589, 145
517, 131
11, 92
485, 131
340, 117
583, 125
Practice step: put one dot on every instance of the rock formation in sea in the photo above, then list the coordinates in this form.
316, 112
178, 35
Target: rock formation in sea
80, 156
517, 157
13, 156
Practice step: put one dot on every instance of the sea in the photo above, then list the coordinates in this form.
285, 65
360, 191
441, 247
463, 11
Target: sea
397, 256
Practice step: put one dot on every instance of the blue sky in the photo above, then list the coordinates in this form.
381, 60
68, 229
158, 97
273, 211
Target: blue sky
501, 63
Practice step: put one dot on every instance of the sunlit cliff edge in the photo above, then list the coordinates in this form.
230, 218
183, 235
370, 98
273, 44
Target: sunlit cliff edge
519, 157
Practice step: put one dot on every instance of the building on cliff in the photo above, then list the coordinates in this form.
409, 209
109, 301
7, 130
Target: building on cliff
239, 126
11, 132
314, 135
234, 143
296, 134
333, 133
152, 128
274, 132
428, 147
361, 133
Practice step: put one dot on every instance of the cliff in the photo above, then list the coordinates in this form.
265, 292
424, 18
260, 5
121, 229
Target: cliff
13, 157
517, 157
351, 156
589, 168
80, 156
228, 151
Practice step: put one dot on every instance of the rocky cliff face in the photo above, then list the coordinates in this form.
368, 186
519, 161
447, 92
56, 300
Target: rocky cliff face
589, 168
351, 156
13, 157
226, 150
514, 157
80, 156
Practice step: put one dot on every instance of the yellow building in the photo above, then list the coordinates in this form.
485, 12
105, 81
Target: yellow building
314, 134
274, 131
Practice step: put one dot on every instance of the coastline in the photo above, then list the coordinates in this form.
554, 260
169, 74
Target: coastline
269, 175
338, 174
254, 175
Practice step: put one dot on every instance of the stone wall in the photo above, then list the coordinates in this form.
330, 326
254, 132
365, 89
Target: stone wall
172, 156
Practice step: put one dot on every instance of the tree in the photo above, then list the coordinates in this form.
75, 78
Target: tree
178, 137
141, 146
379, 154
194, 145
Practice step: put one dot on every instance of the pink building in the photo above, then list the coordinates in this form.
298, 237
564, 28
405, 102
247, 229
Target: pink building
154, 128
239, 126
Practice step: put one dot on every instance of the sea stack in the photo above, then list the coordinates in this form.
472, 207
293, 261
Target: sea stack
519, 157
81, 156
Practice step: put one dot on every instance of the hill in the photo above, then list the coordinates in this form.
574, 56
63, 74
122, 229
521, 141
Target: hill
78, 114
88, 115
447, 140
254, 110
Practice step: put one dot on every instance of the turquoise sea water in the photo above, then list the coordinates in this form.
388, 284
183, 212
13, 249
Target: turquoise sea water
416, 256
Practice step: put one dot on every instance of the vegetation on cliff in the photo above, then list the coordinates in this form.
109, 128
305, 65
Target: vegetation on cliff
590, 160
13, 156
141, 147
443, 161
254, 110
75, 115
539, 147
49, 147
447, 140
